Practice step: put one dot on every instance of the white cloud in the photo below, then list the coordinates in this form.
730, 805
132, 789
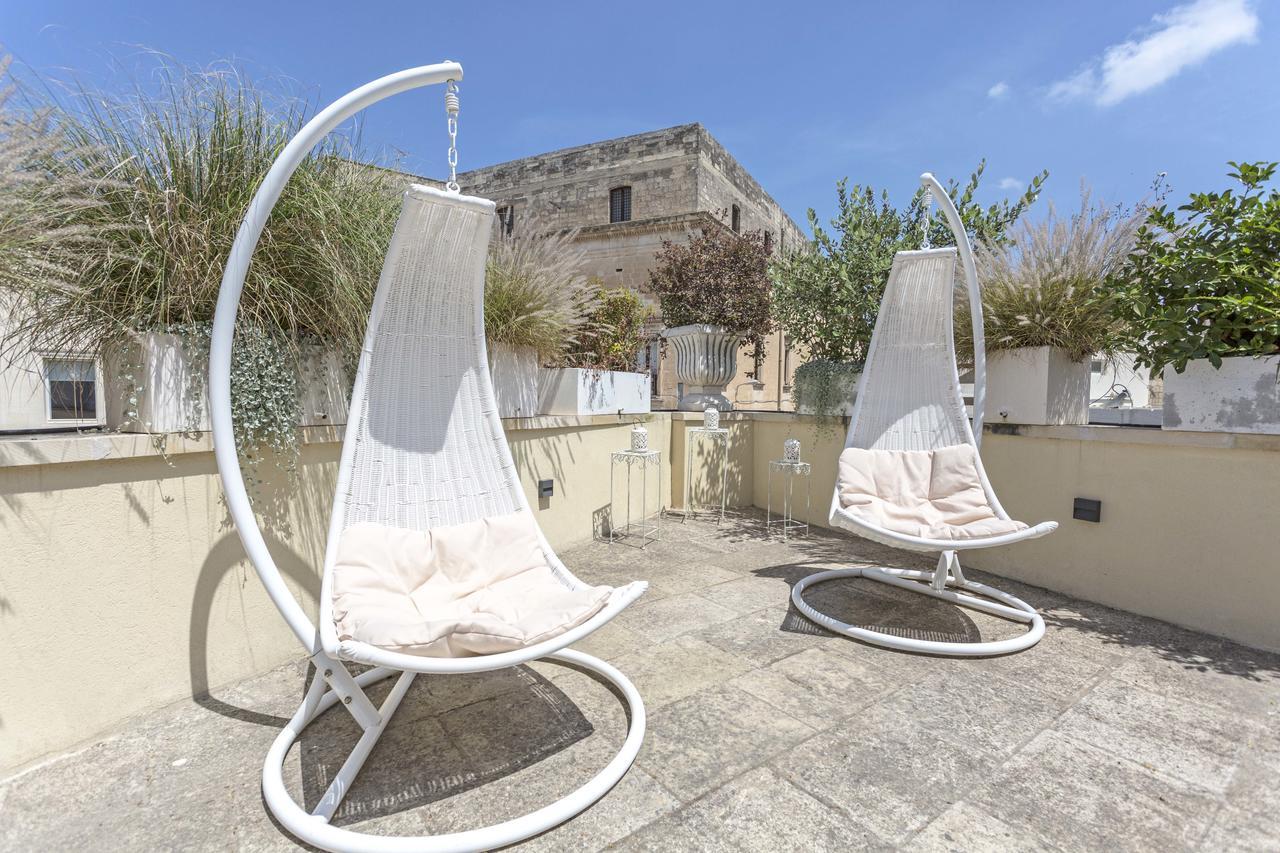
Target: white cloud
1177, 39
1012, 185
998, 91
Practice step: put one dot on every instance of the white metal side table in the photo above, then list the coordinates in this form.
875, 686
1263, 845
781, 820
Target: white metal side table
719, 437
648, 531
788, 471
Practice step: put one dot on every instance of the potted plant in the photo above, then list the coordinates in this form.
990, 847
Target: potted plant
714, 295
599, 375
1047, 310
180, 169
827, 296
1202, 293
535, 302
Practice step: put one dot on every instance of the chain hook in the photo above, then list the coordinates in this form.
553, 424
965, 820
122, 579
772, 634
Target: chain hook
925, 204
451, 109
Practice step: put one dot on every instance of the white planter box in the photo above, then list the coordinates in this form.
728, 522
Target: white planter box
170, 396
579, 391
1036, 385
1105, 374
515, 381
323, 389
1242, 396
706, 362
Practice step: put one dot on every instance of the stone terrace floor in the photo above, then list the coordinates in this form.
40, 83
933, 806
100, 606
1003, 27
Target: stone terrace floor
1116, 732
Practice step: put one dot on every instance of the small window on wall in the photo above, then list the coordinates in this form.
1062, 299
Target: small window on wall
506, 220
71, 387
768, 242
620, 204
736, 218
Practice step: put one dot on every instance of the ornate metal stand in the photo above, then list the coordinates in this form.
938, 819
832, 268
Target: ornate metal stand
648, 531
788, 472
715, 436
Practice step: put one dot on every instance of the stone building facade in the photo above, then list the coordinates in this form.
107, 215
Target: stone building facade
680, 180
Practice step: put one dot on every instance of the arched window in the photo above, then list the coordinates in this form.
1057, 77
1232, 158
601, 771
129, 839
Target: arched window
736, 220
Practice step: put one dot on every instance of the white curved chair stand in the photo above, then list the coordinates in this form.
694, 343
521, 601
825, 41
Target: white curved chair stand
909, 399
452, 461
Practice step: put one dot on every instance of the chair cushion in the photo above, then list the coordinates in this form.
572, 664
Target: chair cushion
931, 494
469, 589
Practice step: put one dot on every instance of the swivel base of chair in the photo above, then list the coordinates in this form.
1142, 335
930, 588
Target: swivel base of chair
314, 828
943, 586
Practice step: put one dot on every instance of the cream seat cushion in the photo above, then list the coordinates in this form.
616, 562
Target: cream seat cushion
931, 494
469, 589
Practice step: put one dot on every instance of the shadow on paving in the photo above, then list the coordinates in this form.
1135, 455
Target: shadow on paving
451, 734
1191, 650
873, 606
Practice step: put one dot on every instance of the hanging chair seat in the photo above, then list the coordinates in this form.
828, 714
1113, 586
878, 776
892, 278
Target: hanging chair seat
932, 496
477, 588
910, 475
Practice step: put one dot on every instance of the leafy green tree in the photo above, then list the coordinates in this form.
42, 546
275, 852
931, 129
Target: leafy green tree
827, 298
1207, 286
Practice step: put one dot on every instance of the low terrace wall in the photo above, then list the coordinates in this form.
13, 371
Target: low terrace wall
123, 586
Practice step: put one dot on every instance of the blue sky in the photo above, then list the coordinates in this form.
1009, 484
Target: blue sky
802, 94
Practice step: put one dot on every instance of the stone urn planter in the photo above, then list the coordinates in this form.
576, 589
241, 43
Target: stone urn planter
1036, 385
515, 380
706, 362
1241, 396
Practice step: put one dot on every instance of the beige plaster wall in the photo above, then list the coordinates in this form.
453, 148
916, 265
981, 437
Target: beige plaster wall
124, 587
1190, 529
1190, 532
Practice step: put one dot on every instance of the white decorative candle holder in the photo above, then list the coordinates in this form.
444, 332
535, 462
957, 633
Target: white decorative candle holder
711, 418
791, 450
639, 439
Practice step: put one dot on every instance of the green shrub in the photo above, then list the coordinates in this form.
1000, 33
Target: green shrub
827, 298
822, 387
1207, 286
614, 332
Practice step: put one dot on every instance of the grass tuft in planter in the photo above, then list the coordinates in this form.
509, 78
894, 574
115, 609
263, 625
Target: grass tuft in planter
173, 170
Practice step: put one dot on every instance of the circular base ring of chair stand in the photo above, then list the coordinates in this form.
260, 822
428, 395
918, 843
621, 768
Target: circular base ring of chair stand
1004, 605
319, 832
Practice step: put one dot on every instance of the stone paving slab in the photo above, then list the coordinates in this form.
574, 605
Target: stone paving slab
765, 731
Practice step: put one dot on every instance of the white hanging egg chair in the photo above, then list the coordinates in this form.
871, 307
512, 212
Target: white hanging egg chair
434, 562
910, 475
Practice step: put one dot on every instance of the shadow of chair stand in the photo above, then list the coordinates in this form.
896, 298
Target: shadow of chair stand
717, 437
423, 449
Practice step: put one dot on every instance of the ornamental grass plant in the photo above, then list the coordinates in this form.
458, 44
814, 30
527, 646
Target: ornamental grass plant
1046, 283
535, 296
131, 205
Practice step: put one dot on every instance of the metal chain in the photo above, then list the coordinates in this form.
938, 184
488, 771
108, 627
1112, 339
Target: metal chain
451, 107
925, 205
